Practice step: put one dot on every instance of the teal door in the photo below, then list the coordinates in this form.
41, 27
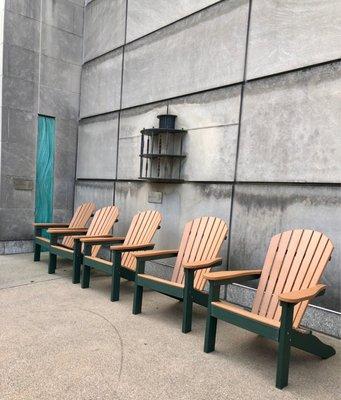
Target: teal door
44, 169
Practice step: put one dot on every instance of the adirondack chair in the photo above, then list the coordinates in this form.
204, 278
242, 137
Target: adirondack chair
140, 233
289, 279
101, 224
198, 252
79, 220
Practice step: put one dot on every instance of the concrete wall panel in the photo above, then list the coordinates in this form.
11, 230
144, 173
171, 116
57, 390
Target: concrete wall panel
20, 63
132, 122
97, 148
60, 44
101, 85
168, 64
261, 211
291, 127
104, 27
63, 14
285, 35
30, 9
145, 16
101, 193
58, 104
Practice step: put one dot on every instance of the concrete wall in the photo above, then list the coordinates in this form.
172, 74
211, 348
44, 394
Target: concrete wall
42, 57
257, 86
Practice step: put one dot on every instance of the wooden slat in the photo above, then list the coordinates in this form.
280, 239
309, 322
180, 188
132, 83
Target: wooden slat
269, 260
142, 229
101, 224
79, 220
295, 261
201, 240
275, 270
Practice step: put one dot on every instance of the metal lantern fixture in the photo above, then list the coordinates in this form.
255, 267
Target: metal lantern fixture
161, 151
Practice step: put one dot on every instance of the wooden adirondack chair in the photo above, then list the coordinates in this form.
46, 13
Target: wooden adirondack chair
139, 236
289, 279
198, 252
79, 220
101, 224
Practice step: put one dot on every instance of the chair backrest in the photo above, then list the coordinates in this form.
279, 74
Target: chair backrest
295, 260
142, 229
201, 240
101, 224
79, 220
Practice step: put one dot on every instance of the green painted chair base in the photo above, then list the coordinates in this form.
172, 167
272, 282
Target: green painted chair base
187, 294
285, 335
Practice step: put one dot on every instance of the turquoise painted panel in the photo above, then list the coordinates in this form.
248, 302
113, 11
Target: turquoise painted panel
45, 169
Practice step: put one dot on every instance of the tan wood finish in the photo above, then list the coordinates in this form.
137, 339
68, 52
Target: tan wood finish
245, 313
222, 275
295, 261
160, 280
201, 241
203, 263
301, 295
156, 253
80, 218
141, 231
101, 224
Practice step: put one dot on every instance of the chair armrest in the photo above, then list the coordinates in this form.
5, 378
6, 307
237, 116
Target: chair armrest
131, 247
102, 239
67, 231
155, 254
233, 276
203, 264
47, 225
301, 295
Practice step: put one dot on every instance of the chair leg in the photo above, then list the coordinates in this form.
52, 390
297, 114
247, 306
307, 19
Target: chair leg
210, 334
283, 355
138, 296
188, 301
76, 268
52, 263
85, 277
37, 251
115, 284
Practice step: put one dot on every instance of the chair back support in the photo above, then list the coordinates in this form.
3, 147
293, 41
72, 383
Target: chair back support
101, 224
141, 230
295, 260
201, 240
79, 220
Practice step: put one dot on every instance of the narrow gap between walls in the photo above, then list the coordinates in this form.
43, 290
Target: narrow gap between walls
238, 141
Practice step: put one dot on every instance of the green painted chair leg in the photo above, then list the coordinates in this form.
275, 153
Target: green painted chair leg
77, 262
76, 269
115, 284
210, 334
138, 296
85, 277
37, 251
283, 356
188, 301
52, 263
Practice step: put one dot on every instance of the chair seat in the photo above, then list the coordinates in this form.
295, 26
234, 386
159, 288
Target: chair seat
99, 260
245, 313
43, 239
106, 262
160, 280
63, 248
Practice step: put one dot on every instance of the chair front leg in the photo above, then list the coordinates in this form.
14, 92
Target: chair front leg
138, 290
283, 355
52, 257
77, 261
188, 301
86, 269
211, 322
116, 276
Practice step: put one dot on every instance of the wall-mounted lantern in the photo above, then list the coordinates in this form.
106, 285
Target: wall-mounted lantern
161, 151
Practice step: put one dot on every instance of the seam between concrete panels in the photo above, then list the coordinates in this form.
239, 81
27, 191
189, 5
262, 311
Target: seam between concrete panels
238, 138
121, 100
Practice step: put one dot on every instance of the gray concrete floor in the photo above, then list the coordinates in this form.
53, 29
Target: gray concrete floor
61, 342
